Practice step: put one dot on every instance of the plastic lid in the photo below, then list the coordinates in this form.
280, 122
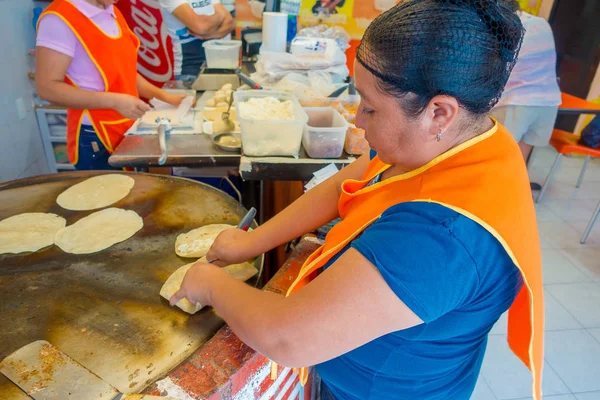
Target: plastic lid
216, 43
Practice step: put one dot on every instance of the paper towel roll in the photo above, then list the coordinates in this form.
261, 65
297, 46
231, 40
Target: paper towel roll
274, 32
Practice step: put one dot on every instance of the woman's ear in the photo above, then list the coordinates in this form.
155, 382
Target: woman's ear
443, 111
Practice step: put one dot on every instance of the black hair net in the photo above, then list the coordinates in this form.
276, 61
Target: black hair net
462, 48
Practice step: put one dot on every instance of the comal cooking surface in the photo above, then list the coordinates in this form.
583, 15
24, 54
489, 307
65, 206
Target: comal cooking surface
104, 309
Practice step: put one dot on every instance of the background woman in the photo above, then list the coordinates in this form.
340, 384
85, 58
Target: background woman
529, 104
87, 61
438, 234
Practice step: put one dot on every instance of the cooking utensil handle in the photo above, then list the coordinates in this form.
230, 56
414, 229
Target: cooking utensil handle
336, 93
163, 145
164, 128
246, 79
247, 220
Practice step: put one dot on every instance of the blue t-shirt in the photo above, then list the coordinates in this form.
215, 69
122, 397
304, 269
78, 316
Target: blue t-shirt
456, 277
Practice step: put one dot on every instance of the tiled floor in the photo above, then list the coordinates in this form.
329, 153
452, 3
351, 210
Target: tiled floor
572, 290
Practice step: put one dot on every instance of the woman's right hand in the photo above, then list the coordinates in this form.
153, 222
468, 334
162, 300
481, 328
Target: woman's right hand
234, 246
129, 106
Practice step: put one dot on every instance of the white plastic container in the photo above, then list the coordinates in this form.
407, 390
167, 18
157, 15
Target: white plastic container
223, 54
324, 133
270, 137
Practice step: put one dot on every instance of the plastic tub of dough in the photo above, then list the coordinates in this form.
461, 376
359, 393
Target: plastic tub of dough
324, 133
223, 54
269, 128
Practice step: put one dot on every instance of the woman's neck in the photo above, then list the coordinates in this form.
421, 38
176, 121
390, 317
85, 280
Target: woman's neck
467, 132
464, 135
96, 3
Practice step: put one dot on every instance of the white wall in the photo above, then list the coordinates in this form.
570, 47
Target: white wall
21, 151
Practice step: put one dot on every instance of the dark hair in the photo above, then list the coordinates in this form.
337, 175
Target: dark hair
512, 5
461, 48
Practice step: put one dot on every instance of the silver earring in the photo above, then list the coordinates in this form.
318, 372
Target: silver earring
438, 137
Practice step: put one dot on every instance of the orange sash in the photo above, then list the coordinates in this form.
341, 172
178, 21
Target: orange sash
483, 179
116, 60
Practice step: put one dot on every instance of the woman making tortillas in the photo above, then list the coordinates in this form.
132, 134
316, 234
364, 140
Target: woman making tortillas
438, 235
87, 62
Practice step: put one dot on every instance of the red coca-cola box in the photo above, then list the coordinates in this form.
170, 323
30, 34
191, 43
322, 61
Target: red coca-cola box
155, 57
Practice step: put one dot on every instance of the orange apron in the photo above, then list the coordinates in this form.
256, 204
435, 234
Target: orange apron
483, 179
116, 60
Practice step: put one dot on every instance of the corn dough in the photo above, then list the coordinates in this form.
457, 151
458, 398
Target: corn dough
243, 272
197, 242
29, 232
266, 109
97, 192
99, 231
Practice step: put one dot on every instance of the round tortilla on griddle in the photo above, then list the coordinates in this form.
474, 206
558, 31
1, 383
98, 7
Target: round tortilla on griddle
197, 242
97, 192
29, 232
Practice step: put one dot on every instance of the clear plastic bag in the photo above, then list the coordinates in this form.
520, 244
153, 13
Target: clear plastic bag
328, 32
268, 74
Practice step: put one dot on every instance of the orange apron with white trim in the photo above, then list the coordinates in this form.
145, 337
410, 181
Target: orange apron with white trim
483, 179
116, 60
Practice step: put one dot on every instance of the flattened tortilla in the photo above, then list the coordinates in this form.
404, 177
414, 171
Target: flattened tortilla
243, 272
29, 232
197, 242
97, 192
99, 231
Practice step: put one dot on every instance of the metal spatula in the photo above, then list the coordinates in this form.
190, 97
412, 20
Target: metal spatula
46, 373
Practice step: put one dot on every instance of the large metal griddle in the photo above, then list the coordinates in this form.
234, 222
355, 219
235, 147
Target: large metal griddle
104, 309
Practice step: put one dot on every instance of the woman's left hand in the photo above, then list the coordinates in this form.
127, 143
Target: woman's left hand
196, 284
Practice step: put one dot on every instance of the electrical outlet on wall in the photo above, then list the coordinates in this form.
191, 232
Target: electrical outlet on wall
21, 110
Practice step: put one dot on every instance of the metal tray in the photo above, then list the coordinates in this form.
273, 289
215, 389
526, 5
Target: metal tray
234, 149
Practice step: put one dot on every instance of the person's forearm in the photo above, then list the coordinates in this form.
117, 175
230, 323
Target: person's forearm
68, 96
254, 316
226, 27
206, 25
148, 90
311, 211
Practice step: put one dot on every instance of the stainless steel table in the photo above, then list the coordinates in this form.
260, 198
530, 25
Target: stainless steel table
287, 168
197, 150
